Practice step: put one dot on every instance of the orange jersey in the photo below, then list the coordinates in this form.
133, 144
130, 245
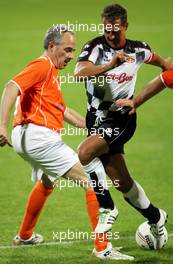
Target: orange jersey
167, 78
40, 100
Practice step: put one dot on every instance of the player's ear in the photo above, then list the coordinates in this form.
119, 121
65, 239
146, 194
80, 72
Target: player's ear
126, 25
51, 44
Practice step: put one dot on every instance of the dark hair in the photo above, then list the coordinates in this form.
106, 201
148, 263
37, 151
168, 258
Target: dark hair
115, 11
55, 33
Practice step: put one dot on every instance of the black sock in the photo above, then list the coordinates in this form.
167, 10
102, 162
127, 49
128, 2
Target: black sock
103, 196
151, 213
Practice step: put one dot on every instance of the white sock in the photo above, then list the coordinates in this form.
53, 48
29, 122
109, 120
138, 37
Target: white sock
137, 197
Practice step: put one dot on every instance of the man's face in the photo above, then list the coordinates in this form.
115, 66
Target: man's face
115, 32
62, 53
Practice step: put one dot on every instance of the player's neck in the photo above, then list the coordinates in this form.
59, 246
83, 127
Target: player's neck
121, 44
46, 54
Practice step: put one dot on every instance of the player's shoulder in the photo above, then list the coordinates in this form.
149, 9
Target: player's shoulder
137, 44
93, 42
41, 62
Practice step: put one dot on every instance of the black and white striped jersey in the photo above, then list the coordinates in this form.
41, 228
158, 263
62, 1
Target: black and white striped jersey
118, 82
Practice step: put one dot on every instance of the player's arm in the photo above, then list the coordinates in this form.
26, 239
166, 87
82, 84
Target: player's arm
8, 100
74, 118
88, 68
165, 64
152, 88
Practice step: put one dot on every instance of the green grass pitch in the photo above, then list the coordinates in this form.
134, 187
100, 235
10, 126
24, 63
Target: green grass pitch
149, 154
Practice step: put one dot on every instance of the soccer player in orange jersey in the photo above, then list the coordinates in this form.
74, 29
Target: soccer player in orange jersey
40, 111
165, 79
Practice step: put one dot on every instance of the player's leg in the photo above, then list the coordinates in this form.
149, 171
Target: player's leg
89, 151
47, 151
92, 147
77, 174
134, 194
103, 248
38, 196
36, 201
102, 131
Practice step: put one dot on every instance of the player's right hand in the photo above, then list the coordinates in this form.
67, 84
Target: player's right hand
120, 57
126, 103
4, 137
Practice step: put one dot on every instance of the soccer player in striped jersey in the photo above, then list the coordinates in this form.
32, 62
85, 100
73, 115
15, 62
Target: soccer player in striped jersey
117, 60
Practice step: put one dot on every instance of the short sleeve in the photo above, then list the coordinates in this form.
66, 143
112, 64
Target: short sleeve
167, 78
34, 73
90, 52
148, 54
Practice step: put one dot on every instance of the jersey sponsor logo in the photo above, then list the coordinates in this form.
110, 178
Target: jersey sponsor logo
120, 78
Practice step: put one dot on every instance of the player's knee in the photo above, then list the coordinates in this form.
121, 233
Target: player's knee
85, 154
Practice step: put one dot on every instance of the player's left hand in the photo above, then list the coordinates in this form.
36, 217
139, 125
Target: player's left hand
126, 103
4, 137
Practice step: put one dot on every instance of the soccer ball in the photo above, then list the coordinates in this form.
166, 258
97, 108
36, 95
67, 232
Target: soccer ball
145, 239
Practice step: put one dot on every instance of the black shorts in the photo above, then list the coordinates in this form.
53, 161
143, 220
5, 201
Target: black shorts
117, 128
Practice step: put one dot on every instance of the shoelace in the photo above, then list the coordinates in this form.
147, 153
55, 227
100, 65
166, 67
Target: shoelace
102, 216
116, 253
157, 232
